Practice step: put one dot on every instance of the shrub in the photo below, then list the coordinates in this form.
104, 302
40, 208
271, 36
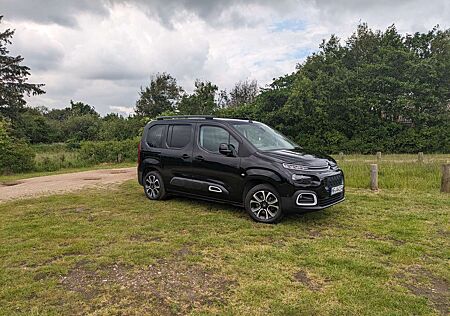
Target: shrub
109, 151
15, 155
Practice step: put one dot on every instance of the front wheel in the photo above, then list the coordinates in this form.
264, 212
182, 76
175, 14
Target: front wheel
263, 204
154, 186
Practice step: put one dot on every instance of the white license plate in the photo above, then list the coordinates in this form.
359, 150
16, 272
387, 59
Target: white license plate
338, 189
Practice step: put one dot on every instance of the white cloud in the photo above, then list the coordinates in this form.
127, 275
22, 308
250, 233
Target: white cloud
102, 52
122, 110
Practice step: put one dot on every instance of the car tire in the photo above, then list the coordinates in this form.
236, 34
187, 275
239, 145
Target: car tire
263, 204
154, 187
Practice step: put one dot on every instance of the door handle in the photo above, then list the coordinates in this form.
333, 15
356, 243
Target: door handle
185, 156
200, 158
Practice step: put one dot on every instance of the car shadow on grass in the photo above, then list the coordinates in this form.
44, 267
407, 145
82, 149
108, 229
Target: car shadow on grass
290, 217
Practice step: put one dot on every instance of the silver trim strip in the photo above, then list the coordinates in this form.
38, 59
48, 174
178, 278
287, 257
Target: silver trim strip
306, 204
213, 188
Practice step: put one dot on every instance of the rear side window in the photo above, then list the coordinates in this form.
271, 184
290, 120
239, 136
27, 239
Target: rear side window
212, 136
154, 136
178, 136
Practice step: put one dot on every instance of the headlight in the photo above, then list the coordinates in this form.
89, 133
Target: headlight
299, 178
293, 166
333, 165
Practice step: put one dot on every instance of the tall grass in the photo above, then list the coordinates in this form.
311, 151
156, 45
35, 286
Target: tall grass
394, 171
53, 157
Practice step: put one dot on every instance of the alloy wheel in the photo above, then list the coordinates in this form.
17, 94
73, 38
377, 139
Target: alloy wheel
264, 205
152, 186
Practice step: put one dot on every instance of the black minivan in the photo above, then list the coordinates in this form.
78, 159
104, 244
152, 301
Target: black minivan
241, 162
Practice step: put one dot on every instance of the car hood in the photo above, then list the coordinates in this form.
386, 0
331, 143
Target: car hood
301, 157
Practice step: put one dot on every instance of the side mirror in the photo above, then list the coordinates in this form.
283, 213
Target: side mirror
225, 149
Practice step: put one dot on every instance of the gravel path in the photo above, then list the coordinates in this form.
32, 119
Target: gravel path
61, 183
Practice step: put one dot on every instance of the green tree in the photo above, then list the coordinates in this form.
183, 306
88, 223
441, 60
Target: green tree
80, 109
379, 90
201, 101
16, 155
79, 128
163, 94
243, 92
116, 127
13, 79
34, 126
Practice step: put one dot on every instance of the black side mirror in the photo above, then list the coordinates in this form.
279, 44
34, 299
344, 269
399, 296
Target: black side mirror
225, 149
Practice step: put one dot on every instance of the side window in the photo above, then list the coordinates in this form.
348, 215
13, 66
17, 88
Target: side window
212, 136
178, 136
154, 136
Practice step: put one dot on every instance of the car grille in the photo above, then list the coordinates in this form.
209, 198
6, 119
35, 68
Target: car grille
331, 199
334, 181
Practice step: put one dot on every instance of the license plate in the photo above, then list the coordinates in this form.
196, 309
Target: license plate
338, 189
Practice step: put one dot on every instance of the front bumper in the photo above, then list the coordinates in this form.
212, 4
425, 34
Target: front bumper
290, 203
319, 197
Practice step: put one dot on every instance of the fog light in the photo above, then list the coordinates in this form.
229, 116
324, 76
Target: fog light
306, 199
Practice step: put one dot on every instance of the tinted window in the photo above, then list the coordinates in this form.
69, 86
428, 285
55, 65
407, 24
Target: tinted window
179, 135
212, 136
154, 136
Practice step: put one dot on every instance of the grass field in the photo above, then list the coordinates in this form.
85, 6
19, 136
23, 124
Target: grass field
115, 252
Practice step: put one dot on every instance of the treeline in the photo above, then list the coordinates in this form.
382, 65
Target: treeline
73, 124
377, 91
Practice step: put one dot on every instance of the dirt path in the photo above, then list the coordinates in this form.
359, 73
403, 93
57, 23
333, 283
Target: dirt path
61, 183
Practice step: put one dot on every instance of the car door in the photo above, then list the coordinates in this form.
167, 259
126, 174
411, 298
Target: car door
177, 156
218, 175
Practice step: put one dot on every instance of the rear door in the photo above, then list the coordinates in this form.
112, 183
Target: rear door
152, 146
177, 156
218, 175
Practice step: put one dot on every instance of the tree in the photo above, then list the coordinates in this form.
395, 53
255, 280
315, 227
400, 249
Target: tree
84, 127
16, 155
379, 90
163, 94
13, 79
34, 126
80, 109
116, 127
201, 101
243, 92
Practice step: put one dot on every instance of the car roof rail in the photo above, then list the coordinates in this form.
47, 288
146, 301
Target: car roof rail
175, 117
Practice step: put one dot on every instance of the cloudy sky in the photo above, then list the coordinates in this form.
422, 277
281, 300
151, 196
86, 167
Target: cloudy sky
102, 51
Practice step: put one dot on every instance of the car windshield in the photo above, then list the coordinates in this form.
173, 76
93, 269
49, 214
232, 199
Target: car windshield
263, 137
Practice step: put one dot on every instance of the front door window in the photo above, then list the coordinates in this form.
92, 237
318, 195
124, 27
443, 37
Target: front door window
212, 136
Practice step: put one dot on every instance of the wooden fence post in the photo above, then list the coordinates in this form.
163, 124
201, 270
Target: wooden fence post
341, 156
445, 181
374, 177
420, 157
378, 155
119, 158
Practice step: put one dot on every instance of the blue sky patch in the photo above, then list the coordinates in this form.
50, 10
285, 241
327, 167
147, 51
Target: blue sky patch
300, 53
292, 25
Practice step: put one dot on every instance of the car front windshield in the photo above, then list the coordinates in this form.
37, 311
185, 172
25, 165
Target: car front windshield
263, 137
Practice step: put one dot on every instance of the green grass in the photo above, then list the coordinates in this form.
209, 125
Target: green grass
113, 251
395, 171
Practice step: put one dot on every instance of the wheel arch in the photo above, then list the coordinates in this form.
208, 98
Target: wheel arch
149, 166
260, 176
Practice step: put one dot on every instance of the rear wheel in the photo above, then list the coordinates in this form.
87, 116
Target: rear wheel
154, 186
263, 204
